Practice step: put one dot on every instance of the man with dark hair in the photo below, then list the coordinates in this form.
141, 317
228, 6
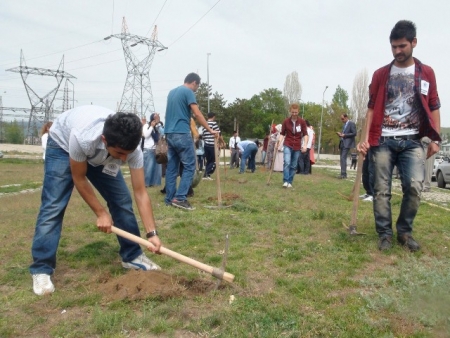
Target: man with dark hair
403, 108
180, 102
346, 142
87, 145
210, 154
294, 138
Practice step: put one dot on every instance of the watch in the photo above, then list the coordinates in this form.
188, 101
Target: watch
151, 234
437, 142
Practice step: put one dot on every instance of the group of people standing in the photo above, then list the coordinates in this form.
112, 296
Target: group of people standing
87, 145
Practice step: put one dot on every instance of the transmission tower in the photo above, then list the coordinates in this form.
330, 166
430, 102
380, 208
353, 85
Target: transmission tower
137, 94
41, 107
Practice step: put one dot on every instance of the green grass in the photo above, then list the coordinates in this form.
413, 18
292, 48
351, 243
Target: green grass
298, 272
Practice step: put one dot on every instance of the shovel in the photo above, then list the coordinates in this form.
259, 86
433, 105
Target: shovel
352, 228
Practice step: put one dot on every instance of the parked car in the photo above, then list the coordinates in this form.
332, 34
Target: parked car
435, 165
443, 173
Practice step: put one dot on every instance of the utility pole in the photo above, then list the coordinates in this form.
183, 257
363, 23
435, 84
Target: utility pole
41, 107
321, 117
207, 76
137, 91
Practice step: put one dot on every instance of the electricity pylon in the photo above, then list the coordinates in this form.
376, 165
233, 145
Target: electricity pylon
41, 107
137, 94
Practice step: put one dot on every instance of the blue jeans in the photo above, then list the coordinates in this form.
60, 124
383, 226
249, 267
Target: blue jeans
152, 170
250, 154
408, 156
290, 157
181, 150
56, 192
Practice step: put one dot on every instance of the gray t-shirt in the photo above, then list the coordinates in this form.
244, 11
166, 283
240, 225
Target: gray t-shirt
78, 131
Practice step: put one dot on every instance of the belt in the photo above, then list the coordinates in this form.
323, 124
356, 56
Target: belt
400, 137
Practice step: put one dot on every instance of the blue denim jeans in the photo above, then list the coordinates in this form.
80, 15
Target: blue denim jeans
250, 154
56, 192
408, 156
290, 163
152, 170
181, 150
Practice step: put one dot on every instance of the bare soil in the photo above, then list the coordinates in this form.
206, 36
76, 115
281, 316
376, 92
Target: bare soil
137, 284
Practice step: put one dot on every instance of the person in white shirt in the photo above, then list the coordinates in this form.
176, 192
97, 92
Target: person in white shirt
44, 137
234, 150
152, 132
86, 147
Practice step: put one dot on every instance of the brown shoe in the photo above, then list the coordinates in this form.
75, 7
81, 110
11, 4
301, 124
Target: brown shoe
408, 241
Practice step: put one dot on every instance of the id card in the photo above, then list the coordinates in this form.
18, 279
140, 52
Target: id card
424, 86
111, 169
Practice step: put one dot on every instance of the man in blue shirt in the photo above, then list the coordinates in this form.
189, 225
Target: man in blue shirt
180, 102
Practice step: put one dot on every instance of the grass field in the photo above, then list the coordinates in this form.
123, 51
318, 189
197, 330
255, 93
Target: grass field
298, 272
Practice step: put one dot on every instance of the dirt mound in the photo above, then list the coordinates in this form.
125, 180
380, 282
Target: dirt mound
137, 284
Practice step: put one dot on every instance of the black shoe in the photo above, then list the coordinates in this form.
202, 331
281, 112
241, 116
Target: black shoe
409, 242
342, 177
182, 205
385, 243
163, 191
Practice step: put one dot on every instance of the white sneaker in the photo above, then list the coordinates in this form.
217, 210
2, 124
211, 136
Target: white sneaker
285, 184
289, 185
364, 196
141, 262
368, 199
42, 284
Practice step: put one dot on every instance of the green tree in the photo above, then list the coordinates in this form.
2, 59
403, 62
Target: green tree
202, 98
340, 98
13, 133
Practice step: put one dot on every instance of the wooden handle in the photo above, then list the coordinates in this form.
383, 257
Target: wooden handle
218, 273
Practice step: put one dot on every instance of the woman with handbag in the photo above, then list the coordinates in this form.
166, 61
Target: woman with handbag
152, 132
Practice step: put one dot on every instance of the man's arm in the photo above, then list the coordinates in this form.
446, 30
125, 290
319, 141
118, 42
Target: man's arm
200, 119
144, 205
79, 169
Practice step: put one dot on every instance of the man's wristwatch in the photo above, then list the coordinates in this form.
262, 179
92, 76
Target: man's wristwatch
437, 142
151, 234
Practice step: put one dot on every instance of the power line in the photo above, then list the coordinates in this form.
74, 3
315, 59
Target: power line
156, 18
66, 50
195, 23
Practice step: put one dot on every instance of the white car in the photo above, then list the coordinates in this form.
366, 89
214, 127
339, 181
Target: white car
443, 173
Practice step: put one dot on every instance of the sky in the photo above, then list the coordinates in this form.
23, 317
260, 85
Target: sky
253, 44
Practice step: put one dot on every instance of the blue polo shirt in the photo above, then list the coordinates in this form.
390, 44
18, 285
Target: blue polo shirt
178, 110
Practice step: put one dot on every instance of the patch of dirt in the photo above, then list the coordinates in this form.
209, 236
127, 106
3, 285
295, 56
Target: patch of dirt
227, 197
136, 284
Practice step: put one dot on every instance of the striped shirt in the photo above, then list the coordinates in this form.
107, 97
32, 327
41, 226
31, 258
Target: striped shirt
208, 138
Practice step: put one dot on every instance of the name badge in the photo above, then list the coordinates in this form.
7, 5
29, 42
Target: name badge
424, 86
298, 129
111, 169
